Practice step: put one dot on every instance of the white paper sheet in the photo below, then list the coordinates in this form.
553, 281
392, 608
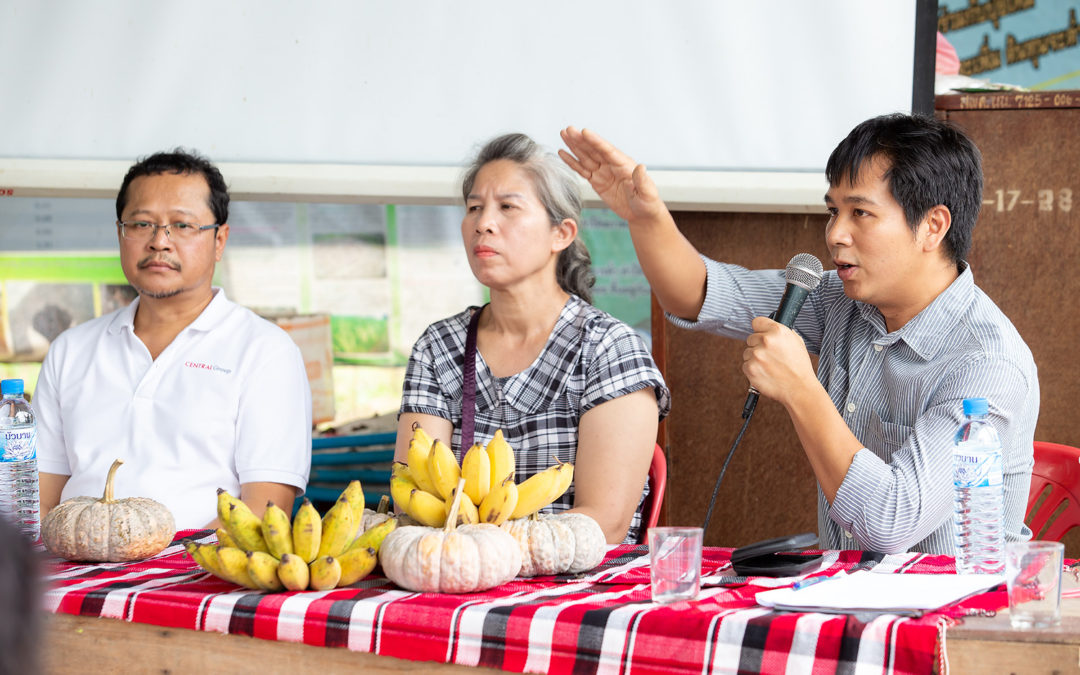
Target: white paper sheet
866, 591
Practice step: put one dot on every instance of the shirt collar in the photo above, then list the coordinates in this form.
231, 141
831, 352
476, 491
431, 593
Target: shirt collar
207, 319
928, 331
124, 318
212, 314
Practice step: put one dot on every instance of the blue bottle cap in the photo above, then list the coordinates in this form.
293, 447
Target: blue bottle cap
976, 406
11, 387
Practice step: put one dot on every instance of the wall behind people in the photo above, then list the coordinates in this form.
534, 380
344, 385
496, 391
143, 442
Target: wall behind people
400, 84
380, 273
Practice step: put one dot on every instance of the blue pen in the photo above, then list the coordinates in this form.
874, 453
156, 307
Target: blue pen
810, 581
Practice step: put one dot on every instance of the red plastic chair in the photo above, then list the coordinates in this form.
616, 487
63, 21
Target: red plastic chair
1057, 476
657, 483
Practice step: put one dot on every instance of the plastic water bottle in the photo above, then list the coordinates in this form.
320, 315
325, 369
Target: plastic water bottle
18, 460
979, 485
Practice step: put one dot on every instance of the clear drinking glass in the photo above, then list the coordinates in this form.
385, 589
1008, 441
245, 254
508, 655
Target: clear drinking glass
1033, 575
675, 563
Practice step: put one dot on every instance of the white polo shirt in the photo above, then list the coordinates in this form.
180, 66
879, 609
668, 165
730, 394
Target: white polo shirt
226, 403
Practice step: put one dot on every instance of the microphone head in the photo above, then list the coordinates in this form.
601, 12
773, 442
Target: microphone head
804, 270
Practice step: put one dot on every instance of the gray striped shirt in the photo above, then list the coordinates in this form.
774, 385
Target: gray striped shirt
901, 394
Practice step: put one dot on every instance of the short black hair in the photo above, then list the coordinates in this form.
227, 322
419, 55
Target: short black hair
180, 161
931, 162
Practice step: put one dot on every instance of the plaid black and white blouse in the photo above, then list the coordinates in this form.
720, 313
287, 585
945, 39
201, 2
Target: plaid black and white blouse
590, 358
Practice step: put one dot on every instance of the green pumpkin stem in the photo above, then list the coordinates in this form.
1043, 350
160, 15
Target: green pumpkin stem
108, 498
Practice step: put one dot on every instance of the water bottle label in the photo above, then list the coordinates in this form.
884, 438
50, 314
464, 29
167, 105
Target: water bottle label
976, 469
18, 444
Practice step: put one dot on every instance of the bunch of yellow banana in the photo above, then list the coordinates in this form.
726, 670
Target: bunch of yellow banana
273, 554
423, 486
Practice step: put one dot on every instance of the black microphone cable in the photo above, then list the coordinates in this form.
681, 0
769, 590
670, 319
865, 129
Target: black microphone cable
803, 274
747, 413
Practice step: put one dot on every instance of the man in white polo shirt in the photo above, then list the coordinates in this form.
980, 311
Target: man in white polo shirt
192, 391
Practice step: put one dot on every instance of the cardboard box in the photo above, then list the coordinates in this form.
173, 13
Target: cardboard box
311, 333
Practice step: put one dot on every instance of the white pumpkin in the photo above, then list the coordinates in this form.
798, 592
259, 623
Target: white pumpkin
370, 519
547, 545
450, 559
108, 529
590, 542
465, 559
557, 543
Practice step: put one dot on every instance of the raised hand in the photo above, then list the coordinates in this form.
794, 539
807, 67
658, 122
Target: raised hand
670, 262
624, 186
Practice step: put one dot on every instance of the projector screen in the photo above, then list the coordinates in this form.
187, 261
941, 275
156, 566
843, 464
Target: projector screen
697, 85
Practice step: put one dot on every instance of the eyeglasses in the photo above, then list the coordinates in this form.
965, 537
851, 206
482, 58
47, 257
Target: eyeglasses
140, 230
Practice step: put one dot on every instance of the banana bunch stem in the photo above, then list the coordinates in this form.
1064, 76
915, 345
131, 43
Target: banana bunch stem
451, 517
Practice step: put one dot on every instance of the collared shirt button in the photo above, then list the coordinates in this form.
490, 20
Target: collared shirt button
847, 534
877, 348
851, 407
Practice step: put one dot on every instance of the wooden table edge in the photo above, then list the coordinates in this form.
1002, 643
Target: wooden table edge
83, 644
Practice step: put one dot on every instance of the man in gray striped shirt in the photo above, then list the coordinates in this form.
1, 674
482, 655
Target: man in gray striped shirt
901, 329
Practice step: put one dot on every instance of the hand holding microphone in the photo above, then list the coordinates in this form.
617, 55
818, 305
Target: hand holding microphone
803, 274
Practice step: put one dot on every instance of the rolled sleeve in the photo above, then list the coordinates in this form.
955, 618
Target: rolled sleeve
734, 296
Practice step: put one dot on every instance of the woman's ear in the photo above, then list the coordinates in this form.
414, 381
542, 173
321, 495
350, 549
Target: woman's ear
564, 234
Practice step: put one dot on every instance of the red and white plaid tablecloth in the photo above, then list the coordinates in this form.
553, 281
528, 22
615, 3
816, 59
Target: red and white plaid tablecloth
601, 622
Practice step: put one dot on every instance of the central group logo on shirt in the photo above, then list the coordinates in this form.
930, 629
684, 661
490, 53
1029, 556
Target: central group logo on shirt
206, 366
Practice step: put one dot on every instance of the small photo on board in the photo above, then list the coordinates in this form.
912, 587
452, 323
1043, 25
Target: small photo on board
116, 296
39, 312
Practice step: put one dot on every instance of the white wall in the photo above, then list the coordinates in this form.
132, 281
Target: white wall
680, 84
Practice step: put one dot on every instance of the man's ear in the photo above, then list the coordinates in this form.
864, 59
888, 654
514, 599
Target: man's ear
221, 235
935, 225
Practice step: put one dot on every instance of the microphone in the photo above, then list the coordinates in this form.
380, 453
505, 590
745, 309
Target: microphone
803, 275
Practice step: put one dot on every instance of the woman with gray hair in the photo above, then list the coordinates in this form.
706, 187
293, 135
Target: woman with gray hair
559, 377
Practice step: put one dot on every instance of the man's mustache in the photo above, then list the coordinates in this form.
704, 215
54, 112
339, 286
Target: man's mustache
154, 259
